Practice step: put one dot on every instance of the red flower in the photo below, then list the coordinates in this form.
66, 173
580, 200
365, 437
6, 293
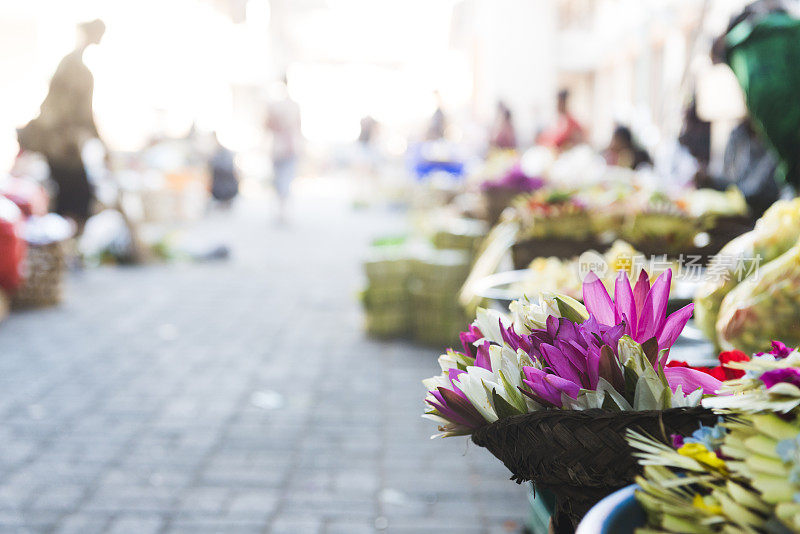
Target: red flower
733, 356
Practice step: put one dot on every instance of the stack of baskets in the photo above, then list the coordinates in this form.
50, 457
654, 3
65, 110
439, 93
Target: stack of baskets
43, 273
437, 277
413, 284
385, 299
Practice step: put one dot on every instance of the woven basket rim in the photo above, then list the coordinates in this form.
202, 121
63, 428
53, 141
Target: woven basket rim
592, 413
507, 440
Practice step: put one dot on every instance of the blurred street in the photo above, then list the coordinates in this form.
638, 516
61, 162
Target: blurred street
233, 396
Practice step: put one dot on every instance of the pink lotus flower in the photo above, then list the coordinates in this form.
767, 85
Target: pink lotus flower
642, 308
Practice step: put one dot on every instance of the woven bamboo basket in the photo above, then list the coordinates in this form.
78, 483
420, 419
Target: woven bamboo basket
43, 269
579, 455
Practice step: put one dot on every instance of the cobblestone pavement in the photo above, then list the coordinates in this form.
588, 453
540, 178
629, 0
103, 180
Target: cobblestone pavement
229, 397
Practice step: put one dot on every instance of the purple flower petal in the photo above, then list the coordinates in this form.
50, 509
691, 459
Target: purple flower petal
575, 354
462, 407
790, 375
779, 350
653, 314
535, 379
597, 300
452, 374
552, 326
563, 386
549, 387
469, 337
673, 328
640, 292
611, 336
482, 358
624, 302
691, 379
560, 363
593, 366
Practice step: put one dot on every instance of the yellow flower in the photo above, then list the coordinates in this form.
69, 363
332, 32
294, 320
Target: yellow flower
699, 452
700, 503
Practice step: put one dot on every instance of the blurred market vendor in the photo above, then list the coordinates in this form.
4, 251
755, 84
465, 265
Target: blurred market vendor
623, 151
567, 131
762, 47
750, 165
504, 136
65, 123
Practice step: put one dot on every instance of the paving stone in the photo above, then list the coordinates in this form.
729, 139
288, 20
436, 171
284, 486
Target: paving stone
136, 525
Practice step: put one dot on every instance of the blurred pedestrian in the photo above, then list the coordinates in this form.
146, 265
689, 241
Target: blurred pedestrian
438, 123
504, 137
366, 134
224, 178
623, 151
65, 123
566, 132
283, 123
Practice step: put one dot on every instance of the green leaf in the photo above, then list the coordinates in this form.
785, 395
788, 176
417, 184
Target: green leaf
644, 399
616, 396
571, 309
513, 394
501, 406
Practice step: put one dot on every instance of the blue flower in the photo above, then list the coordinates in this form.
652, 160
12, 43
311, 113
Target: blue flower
710, 437
789, 450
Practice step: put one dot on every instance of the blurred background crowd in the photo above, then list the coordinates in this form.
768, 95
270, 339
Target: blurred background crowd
147, 95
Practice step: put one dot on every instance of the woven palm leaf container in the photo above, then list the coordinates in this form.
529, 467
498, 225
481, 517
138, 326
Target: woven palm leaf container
524, 252
43, 272
579, 455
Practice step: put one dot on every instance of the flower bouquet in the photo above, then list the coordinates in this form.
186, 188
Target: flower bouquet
551, 390
742, 475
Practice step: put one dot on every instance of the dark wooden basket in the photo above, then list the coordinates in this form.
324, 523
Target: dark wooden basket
579, 455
